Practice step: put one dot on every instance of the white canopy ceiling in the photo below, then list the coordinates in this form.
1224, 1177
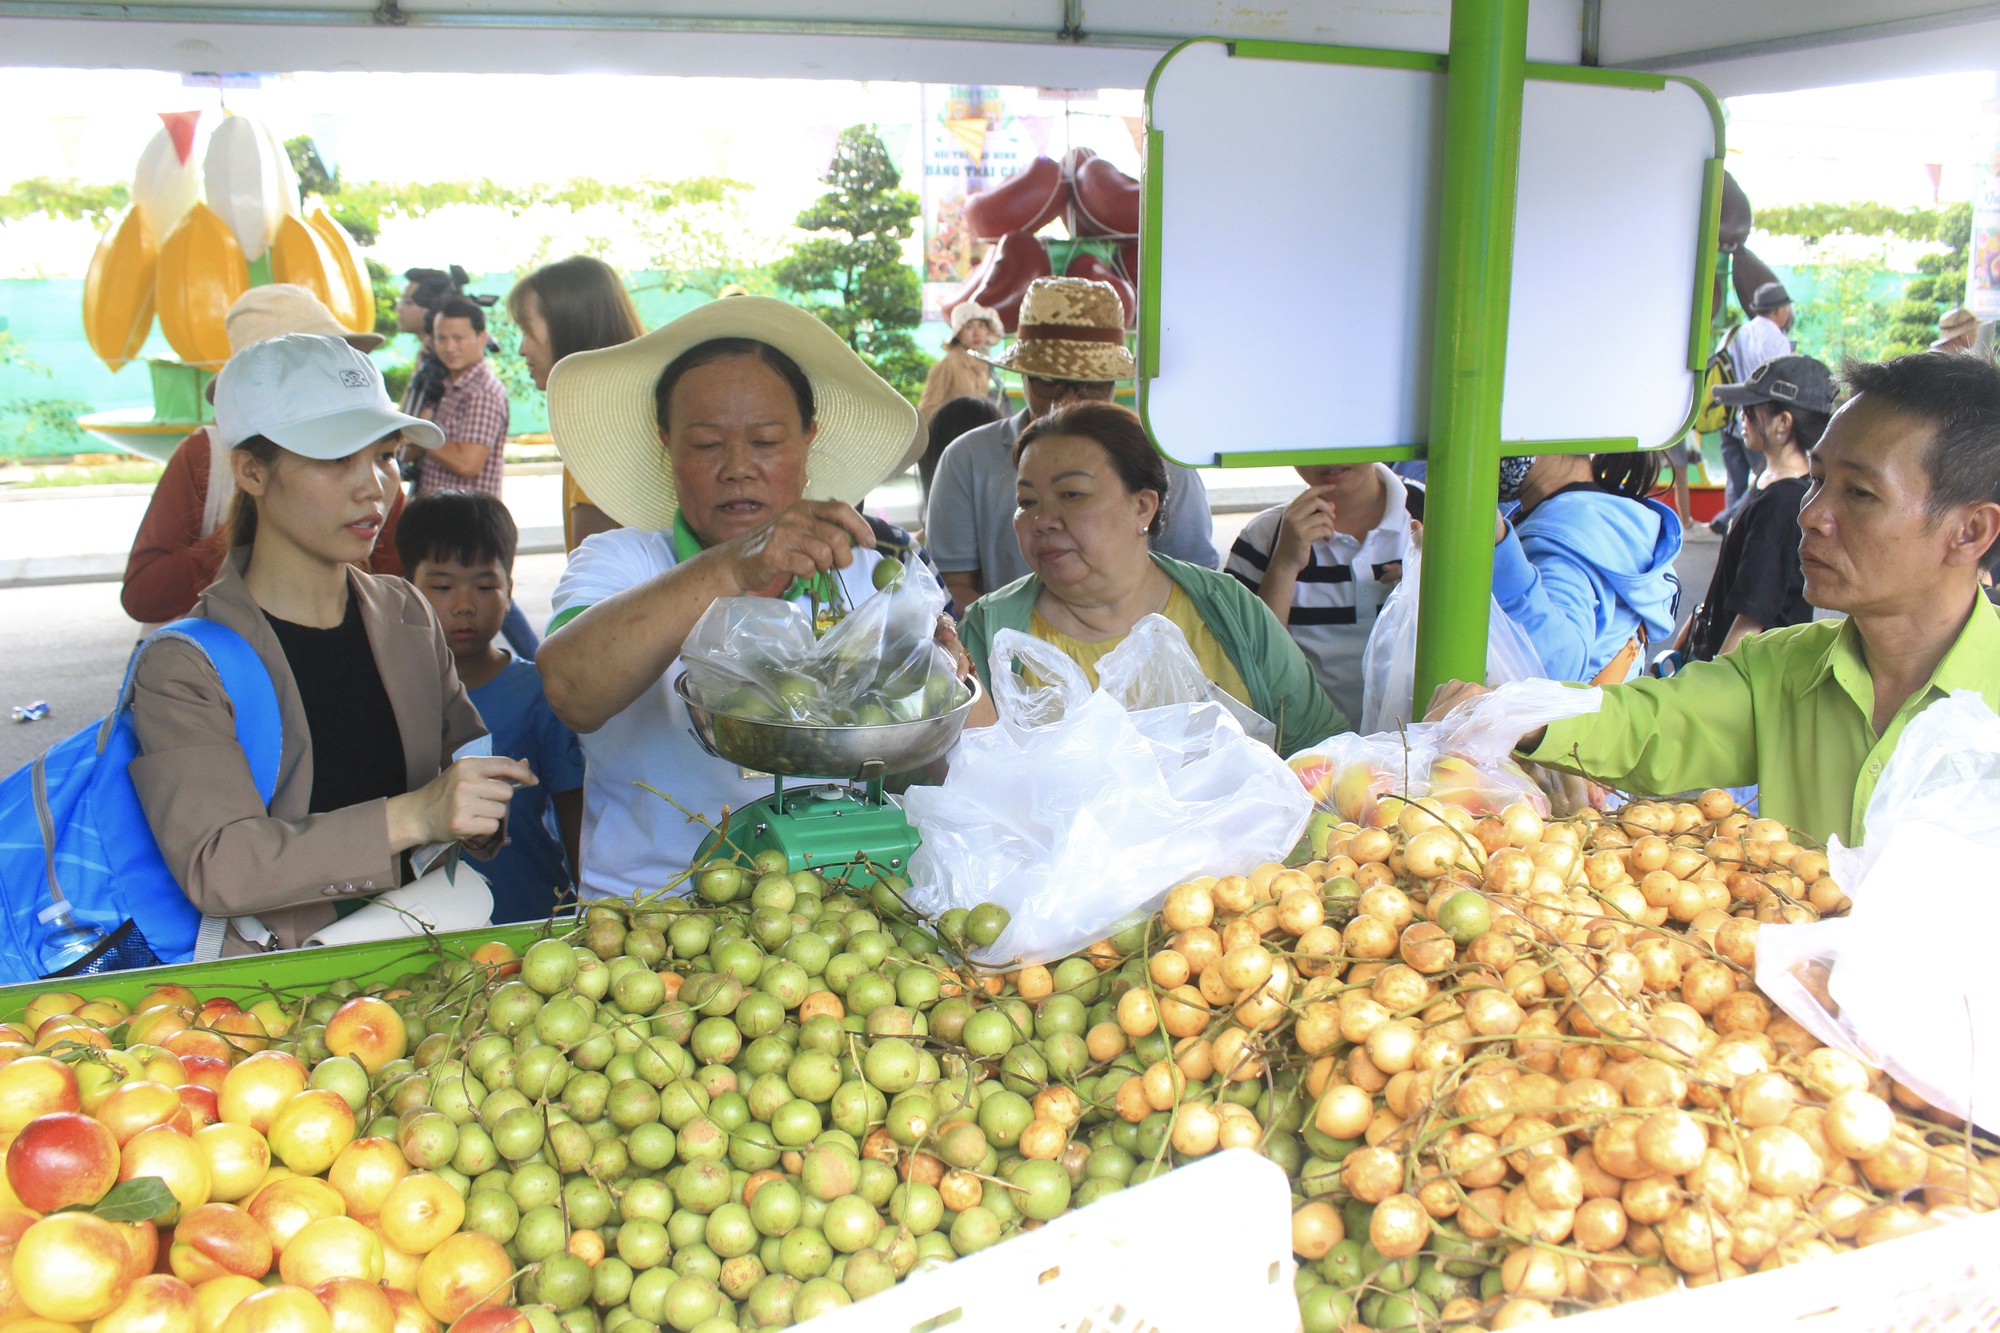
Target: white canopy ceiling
1736, 46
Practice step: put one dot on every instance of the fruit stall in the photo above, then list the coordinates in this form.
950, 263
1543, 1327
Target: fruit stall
1445, 1059
1492, 1067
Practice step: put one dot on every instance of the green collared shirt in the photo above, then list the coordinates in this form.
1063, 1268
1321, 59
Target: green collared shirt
1790, 710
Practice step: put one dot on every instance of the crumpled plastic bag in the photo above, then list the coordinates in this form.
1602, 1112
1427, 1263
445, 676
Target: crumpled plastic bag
1389, 663
1464, 758
758, 657
1155, 667
1075, 812
1893, 983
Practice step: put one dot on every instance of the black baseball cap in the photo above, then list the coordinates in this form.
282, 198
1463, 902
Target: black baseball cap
1795, 381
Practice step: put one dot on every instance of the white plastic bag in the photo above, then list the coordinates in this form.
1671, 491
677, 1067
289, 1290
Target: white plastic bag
1888, 983
1155, 667
1075, 813
1389, 663
759, 657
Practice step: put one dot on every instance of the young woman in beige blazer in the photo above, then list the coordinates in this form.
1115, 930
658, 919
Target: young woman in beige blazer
314, 439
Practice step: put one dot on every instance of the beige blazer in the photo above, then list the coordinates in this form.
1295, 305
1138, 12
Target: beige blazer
232, 856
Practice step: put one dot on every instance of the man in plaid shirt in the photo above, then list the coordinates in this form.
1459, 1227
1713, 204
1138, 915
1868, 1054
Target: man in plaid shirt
473, 411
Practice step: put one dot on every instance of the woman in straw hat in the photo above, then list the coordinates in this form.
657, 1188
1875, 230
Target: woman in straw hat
1091, 490
728, 444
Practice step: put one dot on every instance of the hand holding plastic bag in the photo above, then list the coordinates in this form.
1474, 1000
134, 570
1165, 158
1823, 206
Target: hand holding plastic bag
1389, 663
1475, 767
1464, 758
1885, 983
1076, 813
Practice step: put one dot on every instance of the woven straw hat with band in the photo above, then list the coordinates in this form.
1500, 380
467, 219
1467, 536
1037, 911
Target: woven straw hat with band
1071, 329
602, 415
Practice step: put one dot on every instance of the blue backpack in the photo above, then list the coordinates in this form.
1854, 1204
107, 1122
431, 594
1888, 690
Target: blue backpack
74, 841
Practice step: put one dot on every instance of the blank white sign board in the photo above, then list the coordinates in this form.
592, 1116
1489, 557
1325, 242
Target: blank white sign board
1293, 206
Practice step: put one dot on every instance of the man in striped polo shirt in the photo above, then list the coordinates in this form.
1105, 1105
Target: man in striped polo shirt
1325, 563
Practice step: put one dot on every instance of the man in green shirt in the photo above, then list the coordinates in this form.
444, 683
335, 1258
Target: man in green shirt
1905, 501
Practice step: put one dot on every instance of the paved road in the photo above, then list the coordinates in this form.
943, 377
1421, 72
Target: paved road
69, 645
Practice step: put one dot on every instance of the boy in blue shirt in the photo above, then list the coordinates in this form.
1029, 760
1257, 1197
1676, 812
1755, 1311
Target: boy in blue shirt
458, 547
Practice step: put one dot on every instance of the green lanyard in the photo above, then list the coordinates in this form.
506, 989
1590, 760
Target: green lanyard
821, 587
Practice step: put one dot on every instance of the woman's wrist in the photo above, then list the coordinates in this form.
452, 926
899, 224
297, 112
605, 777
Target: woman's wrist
406, 823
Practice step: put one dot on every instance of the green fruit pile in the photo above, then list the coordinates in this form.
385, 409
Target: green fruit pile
1474, 1047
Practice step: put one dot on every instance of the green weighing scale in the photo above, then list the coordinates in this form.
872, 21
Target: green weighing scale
841, 824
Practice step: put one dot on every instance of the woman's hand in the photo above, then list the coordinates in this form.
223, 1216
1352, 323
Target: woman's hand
464, 803
947, 637
803, 540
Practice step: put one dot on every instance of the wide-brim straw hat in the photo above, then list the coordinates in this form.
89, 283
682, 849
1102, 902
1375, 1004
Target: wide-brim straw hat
602, 416
279, 308
1955, 324
1070, 329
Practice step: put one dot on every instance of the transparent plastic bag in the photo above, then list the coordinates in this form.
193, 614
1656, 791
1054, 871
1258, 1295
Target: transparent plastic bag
1464, 758
881, 663
1389, 663
1892, 983
1155, 667
1075, 813
1475, 767
744, 658
1043, 692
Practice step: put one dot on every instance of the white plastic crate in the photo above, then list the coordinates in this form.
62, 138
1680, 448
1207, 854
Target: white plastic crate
1946, 1280
1207, 1247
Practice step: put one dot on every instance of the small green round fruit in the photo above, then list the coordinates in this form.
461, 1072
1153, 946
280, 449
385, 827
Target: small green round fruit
984, 923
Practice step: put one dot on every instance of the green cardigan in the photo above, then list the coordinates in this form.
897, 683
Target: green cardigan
1282, 685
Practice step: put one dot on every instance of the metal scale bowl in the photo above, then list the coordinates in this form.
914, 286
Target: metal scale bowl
842, 824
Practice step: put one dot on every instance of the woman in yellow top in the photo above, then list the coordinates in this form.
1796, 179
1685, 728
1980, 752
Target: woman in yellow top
1091, 489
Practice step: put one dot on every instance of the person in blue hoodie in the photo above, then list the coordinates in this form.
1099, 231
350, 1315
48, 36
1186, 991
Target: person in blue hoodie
1586, 567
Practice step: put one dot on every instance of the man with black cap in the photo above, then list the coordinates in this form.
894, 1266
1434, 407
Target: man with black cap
1759, 583
1766, 337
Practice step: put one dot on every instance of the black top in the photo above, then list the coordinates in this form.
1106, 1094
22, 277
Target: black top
357, 750
1758, 573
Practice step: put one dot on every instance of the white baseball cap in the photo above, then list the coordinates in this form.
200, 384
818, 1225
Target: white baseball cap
314, 395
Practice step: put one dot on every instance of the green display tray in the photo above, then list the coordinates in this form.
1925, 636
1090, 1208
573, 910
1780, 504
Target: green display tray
287, 973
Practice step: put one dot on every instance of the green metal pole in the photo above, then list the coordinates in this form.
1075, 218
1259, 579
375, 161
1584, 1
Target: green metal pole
1482, 157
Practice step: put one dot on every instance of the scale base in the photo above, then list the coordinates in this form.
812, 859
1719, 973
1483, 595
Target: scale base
829, 828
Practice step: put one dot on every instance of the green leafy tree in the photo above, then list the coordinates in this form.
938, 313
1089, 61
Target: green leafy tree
1846, 316
853, 275
311, 170
63, 199
1939, 286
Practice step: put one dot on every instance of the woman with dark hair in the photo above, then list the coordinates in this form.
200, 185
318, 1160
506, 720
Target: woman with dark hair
1759, 583
1091, 489
1587, 566
573, 305
728, 444
372, 710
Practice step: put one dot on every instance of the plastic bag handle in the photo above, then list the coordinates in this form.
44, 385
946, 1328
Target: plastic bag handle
1011, 696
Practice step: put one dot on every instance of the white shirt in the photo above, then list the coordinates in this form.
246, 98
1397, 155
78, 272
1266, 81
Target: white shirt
1340, 591
1761, 340
633, 840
